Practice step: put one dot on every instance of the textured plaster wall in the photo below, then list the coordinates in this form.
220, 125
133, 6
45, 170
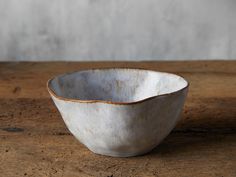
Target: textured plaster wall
117, 29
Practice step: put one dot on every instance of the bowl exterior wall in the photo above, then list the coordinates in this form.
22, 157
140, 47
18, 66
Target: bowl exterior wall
122, 130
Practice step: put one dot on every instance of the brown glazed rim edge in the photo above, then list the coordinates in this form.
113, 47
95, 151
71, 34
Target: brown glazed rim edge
112, 102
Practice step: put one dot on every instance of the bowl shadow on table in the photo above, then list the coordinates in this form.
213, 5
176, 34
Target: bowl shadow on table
184, 142
216, 129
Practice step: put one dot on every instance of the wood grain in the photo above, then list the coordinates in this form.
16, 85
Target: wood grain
35, 142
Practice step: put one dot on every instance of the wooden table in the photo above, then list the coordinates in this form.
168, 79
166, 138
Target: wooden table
35, 142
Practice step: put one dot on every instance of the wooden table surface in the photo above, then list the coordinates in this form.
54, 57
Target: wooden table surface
34, 140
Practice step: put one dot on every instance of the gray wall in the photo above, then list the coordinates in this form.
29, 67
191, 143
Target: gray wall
117, 29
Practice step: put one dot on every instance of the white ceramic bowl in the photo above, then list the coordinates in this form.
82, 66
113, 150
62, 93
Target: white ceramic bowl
119, 112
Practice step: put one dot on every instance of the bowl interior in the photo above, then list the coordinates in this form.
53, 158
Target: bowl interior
116, 85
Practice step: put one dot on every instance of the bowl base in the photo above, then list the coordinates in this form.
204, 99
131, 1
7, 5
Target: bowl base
120, 154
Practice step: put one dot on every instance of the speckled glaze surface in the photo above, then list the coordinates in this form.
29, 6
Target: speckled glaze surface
119, 112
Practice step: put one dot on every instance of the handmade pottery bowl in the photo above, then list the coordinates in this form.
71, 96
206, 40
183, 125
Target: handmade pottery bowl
119, 112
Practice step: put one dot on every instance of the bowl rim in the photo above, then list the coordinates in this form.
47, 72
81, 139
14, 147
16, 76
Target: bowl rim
114, 102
